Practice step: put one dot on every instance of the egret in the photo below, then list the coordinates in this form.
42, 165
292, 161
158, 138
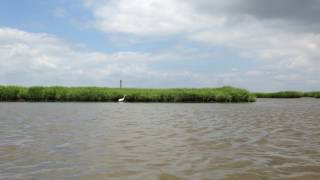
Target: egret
122, 99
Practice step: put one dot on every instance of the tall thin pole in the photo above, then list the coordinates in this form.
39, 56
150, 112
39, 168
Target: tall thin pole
120, 84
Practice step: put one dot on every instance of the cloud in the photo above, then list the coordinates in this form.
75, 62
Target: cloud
283, 34
141, 17
281, 38
42, 59
171, 16
39, 58
295, 11
290, 60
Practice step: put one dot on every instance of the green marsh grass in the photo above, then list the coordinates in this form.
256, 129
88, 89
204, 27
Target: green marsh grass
103, 94
288, 94
282, 94
315, 94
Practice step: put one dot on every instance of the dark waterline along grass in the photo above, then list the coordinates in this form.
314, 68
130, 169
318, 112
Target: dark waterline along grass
102, 94
288, 94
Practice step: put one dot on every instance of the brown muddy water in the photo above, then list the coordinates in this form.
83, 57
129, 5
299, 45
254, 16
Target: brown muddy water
269, 139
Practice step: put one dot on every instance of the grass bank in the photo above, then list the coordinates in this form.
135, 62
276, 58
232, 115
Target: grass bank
288, 94
315, 94
102, 94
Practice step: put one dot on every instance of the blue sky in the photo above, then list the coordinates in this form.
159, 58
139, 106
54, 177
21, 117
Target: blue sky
161, 43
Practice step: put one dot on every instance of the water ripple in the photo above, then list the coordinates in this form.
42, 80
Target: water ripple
269, 139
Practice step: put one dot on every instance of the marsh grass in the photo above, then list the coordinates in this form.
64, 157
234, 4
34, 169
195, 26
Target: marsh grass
282, 94
103, 94
288, 94
315, 94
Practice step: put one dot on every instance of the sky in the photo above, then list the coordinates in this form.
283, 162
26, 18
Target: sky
259, 45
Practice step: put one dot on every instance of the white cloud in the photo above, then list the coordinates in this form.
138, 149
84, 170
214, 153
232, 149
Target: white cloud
147, 17
42, 59
253, 39
38, 58
277, 41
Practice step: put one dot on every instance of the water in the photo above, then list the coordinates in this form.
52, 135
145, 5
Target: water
269, 139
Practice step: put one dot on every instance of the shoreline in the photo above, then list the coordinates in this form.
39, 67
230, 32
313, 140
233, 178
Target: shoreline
288, 94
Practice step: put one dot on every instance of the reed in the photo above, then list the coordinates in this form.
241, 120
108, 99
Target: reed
104, 94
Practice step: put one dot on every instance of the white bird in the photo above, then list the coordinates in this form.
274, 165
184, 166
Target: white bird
122, 99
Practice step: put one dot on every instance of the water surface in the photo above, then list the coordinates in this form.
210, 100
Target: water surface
269, 139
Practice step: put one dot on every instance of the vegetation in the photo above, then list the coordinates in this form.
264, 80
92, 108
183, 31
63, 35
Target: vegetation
315, 94
282, 94
101, 94
288, 94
